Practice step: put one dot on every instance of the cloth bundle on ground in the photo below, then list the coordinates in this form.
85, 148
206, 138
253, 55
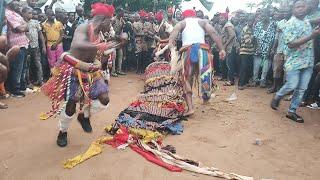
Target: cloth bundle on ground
160, 106
141, 126
149, 145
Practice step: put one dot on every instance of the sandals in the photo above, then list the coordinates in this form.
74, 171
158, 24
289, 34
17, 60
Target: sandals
271, 91
3, 106
114, 74
228, 83
295, 117
314, 106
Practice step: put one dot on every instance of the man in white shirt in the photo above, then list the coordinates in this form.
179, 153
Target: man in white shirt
196, 57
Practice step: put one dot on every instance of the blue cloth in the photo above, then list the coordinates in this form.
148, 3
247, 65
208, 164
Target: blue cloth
174, 128
194, 53
297, 81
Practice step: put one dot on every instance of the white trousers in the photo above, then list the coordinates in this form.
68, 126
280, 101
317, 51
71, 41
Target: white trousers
65, 120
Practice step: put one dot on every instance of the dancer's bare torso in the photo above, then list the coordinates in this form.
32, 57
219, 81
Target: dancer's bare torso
81, 47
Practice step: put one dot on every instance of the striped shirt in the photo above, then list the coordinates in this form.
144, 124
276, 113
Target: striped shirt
247, 43
15, 38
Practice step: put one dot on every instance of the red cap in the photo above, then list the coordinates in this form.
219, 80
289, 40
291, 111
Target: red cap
142, 13
189, 13
102, 9
159, 16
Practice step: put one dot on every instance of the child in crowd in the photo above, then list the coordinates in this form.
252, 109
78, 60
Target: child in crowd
34, 35
53, 31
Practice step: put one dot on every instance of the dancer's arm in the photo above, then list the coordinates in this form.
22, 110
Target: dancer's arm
212, 33
81, 40
174, 34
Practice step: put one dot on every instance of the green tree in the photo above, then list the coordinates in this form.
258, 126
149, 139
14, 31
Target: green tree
266, 3
136, 5
251, 5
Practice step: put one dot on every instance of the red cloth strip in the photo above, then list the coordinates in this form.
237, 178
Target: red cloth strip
154, 159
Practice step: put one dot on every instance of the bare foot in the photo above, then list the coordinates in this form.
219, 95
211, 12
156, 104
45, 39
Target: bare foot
189, 113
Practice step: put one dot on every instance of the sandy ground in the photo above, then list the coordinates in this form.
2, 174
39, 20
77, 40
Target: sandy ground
220, 134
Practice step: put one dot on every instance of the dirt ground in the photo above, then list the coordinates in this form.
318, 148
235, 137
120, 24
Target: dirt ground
220, 134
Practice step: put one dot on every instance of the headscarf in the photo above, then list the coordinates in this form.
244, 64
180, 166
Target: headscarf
142, 13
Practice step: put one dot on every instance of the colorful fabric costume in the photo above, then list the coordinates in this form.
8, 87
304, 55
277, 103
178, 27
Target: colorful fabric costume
74, 80
160, 106
197, 61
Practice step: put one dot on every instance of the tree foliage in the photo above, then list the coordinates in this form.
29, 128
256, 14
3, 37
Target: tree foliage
136, 5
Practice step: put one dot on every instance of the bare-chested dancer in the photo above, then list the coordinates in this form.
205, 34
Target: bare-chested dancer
78, 76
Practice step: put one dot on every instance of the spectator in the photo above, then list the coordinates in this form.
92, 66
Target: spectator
59, 14
264, 32
118, 28
130, 46
79, 15
149, 30
139, 43
3, 65
53, 31
70, 26
42, 17
279, 47
35, 36
230, 44
35, 15
247, 50
17, 37
200, 14
313, 16
316, 104
298, 36
32, 3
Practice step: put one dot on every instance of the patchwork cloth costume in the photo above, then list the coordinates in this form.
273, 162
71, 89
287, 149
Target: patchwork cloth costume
197, 62
160, 106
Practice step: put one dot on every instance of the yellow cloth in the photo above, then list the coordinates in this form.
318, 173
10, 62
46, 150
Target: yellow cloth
94, 149
146, 135
43, 116
52, 32
96, 146
143, 134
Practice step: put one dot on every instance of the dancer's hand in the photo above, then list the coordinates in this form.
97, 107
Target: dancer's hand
222, 54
